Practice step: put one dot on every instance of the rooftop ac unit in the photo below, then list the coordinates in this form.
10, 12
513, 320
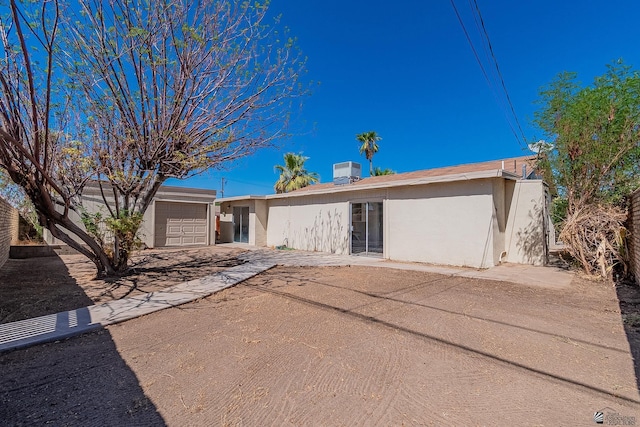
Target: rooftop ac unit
346, 172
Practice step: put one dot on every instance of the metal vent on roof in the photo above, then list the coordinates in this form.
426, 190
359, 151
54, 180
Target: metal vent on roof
346, 172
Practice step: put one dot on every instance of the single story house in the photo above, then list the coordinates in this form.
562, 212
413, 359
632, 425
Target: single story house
476, 215
176, 217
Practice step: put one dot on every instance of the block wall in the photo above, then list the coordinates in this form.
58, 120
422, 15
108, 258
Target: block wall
8, 229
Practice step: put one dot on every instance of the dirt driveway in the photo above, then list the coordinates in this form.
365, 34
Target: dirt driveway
341, 346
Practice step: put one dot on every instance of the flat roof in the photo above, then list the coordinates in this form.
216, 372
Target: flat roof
236, 198
92, 187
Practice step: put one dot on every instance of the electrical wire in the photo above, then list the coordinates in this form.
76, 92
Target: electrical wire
494, 84
254, 184
495, 61
466, 33
485, 36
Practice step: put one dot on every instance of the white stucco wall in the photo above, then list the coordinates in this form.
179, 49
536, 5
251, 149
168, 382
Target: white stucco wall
451, 223
312, 227
525, 234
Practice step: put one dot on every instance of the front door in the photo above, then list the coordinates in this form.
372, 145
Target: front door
241, 224
366, 228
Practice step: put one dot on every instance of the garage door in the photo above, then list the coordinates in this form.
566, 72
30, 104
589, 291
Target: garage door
180, 224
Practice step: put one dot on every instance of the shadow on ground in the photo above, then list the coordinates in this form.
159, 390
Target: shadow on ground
266, 283
629, 300
154, 270
40, 286
79, 381
35, 287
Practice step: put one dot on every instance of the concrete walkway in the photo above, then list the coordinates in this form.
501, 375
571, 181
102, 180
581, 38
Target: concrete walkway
529, 275
57, 326
257, 260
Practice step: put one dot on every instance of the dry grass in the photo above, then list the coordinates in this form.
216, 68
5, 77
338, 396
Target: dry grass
596, 237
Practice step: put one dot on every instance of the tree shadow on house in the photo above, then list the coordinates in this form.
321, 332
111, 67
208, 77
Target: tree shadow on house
537, 245
78, 381
628, 294
327, 234
531, 240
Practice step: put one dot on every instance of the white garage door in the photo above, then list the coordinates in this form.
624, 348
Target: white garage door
180, 224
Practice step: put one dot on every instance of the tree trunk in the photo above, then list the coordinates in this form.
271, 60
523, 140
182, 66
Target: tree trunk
95, 252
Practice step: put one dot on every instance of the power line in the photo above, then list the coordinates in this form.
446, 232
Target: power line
475, 53
484, 71
254, 184
493, 84
495, 61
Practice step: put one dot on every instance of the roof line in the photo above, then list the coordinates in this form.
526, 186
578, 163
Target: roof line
468, 176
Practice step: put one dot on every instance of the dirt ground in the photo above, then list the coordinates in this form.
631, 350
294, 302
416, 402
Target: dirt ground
338, 346
38, 286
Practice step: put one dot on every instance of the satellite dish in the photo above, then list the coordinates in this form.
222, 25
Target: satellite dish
541, 146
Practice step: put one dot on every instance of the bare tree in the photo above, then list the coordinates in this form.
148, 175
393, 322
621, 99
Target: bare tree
163, 89
30, 134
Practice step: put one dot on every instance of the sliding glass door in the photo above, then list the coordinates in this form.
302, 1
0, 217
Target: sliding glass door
241, 224
366, 228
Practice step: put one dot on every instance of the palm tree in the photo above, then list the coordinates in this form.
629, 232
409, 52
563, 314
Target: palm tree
293, 175
369, 146
379, 171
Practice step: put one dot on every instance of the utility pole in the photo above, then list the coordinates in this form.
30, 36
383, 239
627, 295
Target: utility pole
222, 187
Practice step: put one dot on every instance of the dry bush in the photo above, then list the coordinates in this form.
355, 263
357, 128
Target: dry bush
595, 235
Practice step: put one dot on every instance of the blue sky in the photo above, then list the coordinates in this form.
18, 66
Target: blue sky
405, 69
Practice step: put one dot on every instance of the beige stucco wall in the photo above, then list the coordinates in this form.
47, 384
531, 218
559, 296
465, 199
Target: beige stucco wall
446, 223
147, 232
9, 223
93, 204
634, 216
499, 217
258, 214
92, 201
477, 222
525, 234
226, 227
450, 223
